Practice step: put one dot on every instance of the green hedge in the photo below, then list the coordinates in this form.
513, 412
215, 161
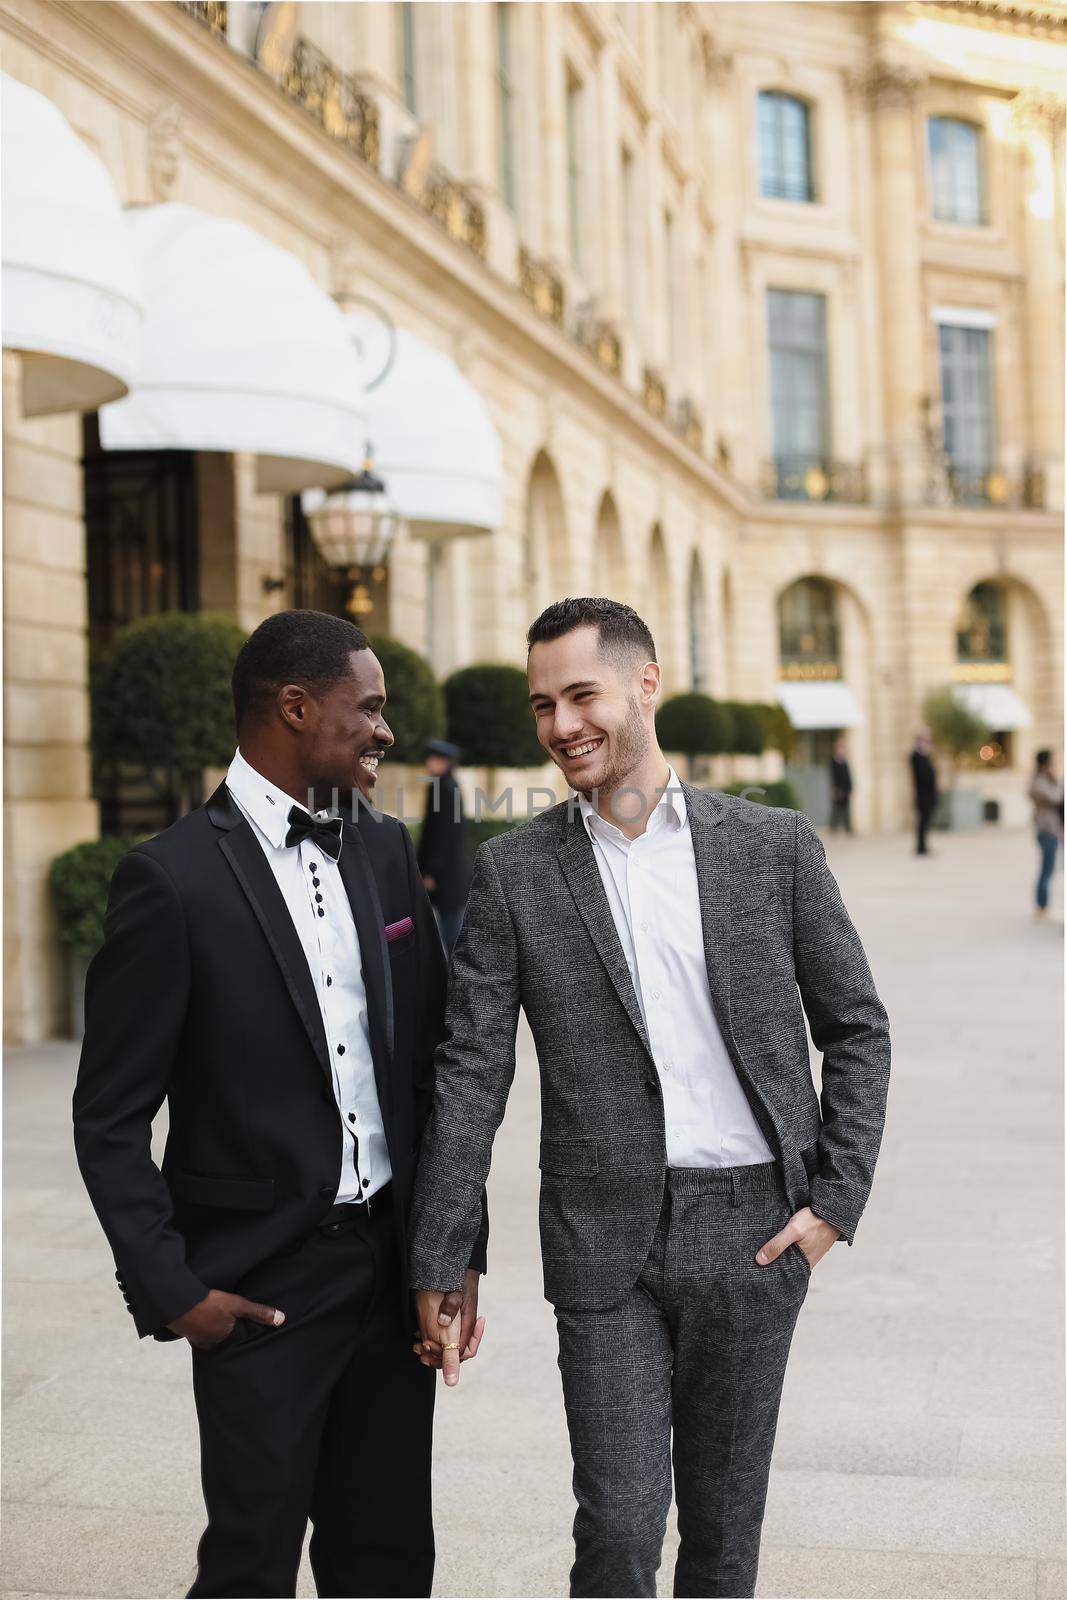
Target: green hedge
415, 704
489, 716
79, 880
781, 793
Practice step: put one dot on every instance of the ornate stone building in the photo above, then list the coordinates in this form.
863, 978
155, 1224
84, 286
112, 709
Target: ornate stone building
763, 304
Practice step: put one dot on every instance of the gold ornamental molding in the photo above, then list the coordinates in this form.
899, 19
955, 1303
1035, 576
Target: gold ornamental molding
1037, 111
982, 672
809, 671
885, 84
1015, 16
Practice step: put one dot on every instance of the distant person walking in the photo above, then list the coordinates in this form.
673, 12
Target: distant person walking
840, 789
442, 852
924, 776
1046, 792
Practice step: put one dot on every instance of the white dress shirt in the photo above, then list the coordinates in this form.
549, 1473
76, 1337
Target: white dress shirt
651, 885
311, 886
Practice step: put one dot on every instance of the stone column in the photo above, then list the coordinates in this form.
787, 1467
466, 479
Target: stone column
606, 219
891, 92
553, 141
1038, 120
656, 341
48, 804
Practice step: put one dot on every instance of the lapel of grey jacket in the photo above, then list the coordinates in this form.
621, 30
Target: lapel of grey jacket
583, 877
712, 855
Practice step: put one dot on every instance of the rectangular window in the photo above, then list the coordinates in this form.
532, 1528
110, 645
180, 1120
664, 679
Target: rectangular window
407, 55
800, 422
967, 406
505, 96
670, 267
574, 168
956, 182
784, 136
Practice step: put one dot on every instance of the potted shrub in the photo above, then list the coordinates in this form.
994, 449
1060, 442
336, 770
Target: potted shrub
778, 731
161, 702
79, 879
415, 708
488, 716
747, 729
959, 733
695, 725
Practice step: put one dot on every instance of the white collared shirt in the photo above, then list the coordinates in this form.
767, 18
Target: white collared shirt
311, 885
651, 885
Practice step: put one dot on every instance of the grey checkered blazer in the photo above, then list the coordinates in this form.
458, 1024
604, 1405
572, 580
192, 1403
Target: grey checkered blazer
539, 933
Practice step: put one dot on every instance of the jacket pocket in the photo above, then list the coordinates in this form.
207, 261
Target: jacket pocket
569, 1158
234, 1194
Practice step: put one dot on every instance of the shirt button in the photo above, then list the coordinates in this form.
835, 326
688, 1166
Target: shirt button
366, 1183
655, 994
321, 912
329, 980
314, 866
351, 1116
340, 1049
318, 897
315, 881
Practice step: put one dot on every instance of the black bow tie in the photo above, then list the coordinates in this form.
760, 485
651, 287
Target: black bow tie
325, 832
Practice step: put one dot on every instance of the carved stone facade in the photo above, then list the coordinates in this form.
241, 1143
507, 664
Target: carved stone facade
587, 230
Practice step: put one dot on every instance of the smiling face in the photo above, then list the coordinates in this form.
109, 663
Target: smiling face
343, 731
595, 713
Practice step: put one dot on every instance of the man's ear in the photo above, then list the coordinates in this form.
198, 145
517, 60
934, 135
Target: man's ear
651, 682
295, 706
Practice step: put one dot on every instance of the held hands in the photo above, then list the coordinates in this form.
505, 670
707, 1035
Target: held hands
450, 1329
212, 1319
812, 1233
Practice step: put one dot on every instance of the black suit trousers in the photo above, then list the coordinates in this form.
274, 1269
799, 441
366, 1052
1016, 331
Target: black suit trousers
328, 1417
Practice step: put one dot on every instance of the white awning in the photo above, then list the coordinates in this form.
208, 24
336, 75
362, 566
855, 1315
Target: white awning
71, 300
826, 704
243, 351
996, 703
434, 443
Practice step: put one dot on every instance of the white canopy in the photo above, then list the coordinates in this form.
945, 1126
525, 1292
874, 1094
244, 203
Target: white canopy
432, 437
996, 703
71, 300
243, 351
821, 704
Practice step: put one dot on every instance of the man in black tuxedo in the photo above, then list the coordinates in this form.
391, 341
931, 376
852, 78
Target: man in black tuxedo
275, 973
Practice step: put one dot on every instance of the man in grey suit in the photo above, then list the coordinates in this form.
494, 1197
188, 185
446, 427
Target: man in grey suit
665, 944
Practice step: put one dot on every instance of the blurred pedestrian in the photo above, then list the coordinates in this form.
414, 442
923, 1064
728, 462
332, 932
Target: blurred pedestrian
442, 852
924, 776
1046, 792
840, 789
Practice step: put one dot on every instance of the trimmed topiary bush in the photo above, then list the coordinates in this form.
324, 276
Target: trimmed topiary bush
695, 725
415, 703
161, 699
79, 880
956, 729
488, 716
747, 737
778, 731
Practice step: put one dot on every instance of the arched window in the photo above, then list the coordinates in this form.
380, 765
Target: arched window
784, 133
808, 634
957, 181
982, 631
658, 602
546, 573
609, 561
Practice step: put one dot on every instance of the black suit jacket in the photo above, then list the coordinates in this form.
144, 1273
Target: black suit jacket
201, 995
442, 853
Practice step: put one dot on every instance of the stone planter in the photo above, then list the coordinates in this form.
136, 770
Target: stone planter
959, 810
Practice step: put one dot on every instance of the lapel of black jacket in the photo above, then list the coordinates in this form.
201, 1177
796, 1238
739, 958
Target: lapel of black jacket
357, 875
583, 877
712, 855
251, 868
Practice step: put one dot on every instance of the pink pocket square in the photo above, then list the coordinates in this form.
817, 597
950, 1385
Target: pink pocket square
397, 930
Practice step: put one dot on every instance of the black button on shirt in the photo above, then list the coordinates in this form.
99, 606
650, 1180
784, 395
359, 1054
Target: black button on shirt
340, 1049
321, 912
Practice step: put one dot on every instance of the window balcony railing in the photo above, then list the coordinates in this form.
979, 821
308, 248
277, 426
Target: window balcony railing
541, 286
212, 13
456, 209
654, 393
814, 478
688, 424
994, 487
600, 337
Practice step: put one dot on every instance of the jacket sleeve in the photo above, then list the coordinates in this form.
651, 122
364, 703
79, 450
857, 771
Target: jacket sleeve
431, 1026
475, 1065
136, 994
849, 1026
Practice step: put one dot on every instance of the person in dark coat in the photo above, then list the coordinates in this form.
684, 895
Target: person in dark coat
840, 789
924, 776
442, 853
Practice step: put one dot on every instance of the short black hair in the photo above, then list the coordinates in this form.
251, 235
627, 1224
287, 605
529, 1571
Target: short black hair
1044, 757
310, 648
621, 633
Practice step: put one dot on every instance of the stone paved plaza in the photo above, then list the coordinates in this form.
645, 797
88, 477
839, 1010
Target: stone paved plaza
921, 1444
